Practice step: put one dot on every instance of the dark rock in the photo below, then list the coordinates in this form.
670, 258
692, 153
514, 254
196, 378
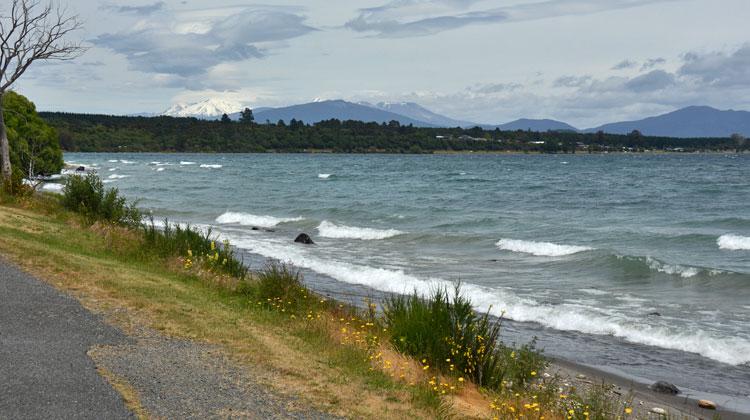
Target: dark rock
654, 314
81, 169
665, 388
304, 238
255, 228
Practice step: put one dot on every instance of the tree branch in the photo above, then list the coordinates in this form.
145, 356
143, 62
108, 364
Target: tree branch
32, 32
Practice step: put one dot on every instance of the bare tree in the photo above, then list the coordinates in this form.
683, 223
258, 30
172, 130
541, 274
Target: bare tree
28, 33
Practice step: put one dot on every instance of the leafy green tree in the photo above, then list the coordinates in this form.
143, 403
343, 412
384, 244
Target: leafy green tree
34, 145
29, 31
246, 116
225, 118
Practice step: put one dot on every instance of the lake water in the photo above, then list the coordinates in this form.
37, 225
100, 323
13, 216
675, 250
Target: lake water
636, 263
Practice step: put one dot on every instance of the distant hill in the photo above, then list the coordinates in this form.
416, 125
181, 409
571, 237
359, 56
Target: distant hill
314, 112
526, 124
418, 112
693, 121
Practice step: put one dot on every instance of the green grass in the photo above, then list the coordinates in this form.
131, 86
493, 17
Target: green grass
444, 331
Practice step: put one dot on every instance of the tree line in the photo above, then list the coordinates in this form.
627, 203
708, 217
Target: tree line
106, 133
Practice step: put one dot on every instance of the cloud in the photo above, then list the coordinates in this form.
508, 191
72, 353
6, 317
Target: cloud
188, 45
571, 81
652, 62
411, 18
624, 64
651, 81
136, 10
495, 88
719, 69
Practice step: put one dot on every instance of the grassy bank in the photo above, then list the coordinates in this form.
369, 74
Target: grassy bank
409, 358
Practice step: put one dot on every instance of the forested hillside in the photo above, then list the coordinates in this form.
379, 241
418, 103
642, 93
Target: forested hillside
103, 133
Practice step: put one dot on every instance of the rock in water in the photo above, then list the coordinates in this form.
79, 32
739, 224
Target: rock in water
665, 388
304, 238
707, 404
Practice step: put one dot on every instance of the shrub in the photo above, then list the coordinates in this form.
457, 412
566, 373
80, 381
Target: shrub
196, 246
280, 286
447, 333
87, 196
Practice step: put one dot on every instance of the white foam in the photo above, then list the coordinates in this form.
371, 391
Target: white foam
324, 176
113, 161
184, 162
542, 249
126, 161
112, 169
595, 292
211, 166
159, 169
117, 176
501, 302
52, 187
330, 230
672, 269
247, 219
733, 242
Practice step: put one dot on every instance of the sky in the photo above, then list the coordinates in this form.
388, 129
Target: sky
585, 62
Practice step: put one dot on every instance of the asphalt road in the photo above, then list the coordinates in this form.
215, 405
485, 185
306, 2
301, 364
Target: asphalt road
44, 369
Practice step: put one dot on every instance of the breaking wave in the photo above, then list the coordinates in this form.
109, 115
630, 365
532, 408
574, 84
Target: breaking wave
502, 302
542, 249
247, 219
330, 230
733, 242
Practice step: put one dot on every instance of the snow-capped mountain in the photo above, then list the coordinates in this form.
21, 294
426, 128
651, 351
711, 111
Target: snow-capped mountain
419, 113
207, 109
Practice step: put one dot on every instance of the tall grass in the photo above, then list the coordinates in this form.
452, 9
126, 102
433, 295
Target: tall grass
87, 196
196, 246
444, 331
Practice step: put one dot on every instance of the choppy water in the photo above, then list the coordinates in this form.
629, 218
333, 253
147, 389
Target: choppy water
580, 251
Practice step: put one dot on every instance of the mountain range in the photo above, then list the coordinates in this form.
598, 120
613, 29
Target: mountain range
693, 121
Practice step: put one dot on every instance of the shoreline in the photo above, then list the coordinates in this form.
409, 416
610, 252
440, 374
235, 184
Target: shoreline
684, 404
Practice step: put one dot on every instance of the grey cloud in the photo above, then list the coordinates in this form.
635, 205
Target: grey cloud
651, 81
495, 88
410, 18
572, 81
421, 27
137, 10
624, 64
652, 62
719, 68
158, 49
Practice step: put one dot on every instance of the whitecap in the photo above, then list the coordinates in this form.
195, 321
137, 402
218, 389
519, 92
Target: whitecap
672, 269
324, 176
542, 249
595, 292
247, 219
211, 166
117, 176
159, 169
330, 230
126, 161
112, 169
113, 161
185, 162
52, 187
733, 242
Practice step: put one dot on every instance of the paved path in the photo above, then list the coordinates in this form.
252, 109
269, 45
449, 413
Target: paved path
44, 369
